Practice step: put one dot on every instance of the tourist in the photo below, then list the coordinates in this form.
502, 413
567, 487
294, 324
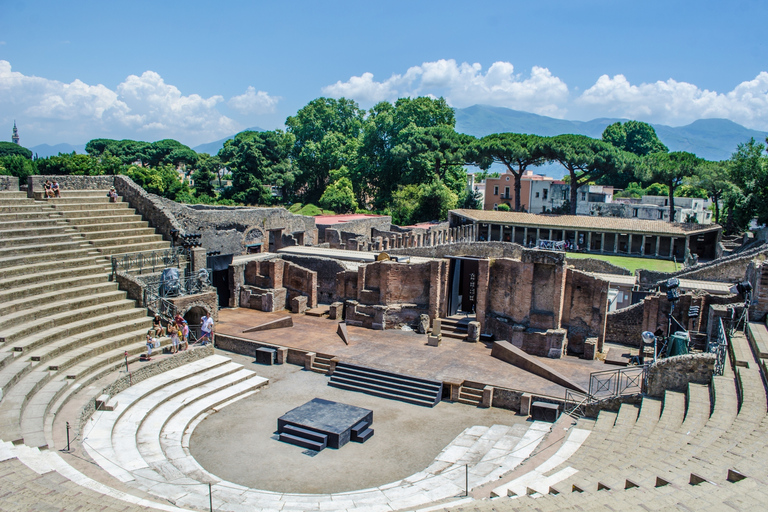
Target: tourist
173, 332
184, 335
55, 189
150, 344
112, 194
47, 188
178, 320
206, 328
157, 325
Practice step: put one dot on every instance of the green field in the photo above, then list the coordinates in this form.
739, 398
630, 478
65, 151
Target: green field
631, 264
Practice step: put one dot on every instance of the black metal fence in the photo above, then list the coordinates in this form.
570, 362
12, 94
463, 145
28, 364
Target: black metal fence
719, 347
150, 261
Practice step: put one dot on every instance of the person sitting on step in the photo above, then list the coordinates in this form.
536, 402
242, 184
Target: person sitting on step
55, 189
112, 194
47, 189
150, 344
157, 325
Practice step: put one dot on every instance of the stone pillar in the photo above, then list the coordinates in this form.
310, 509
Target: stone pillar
513, 234
525, 237
538, 234
385, 244
501, 232
563, 237
377, 243
615, 243
199, 258
687, 242
642, 246
473, 332
589, 241
629, 243
602, 243
671, 246
658, 243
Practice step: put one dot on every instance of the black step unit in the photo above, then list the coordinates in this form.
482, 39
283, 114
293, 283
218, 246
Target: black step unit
384, 384
362, 436
305, 433
301, 441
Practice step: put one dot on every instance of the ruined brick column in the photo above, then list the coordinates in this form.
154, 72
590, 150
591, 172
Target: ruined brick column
385, 244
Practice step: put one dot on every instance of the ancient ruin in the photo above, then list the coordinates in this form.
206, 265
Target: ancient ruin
423, 325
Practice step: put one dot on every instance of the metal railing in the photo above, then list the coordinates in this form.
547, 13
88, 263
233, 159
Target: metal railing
575, 403
159, 306
150, 261
614, 383
197, 282
719, 347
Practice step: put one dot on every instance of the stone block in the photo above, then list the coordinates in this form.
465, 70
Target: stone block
336, 311
299, 304
590, 349
282, 355
437, 327
266, 355
423, 325
309, 360
487, 400
473, 332
434, 341
525, 404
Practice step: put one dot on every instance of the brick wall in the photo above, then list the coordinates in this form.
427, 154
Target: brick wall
598, 266
478, 249
625, 325
585, 304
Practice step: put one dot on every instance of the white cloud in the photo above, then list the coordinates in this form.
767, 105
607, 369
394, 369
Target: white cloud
669, 102
463, 85
254, 102
141, 107
677, 103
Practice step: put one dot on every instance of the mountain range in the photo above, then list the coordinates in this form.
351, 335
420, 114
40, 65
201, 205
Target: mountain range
712, 139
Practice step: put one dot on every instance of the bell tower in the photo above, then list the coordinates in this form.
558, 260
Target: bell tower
15, 137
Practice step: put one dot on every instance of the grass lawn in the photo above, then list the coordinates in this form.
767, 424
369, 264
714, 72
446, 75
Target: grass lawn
631, 264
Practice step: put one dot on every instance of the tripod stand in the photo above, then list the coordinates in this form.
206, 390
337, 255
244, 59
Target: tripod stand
744, 317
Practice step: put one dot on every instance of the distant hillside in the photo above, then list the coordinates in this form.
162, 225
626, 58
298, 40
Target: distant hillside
713, 139
213, 147
46, 150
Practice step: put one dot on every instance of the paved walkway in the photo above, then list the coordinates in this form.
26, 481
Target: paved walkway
404, 352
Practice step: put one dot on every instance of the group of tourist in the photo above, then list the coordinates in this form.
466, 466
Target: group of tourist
52, 189
178, 331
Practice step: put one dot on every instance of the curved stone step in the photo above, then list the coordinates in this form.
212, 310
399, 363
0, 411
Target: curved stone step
20, 259
128, 222
99, 284
43, 276
51, 308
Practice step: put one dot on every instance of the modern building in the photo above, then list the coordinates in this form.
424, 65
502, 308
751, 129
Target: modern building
604, 235
501, 190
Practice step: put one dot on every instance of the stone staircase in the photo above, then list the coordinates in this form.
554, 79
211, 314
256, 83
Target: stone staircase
700, 450
321, 363
386, 384
62, 319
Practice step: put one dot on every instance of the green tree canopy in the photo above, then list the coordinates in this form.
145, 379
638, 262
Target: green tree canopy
258, 161
633, 137
19, 166
715, 179
393, 134
586, 160
327, 133
749, 172
9, 149
339, 197
69, 164
516, 151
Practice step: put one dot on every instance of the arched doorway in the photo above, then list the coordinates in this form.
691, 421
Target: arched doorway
193, 316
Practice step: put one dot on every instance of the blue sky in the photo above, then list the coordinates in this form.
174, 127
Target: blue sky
197, 71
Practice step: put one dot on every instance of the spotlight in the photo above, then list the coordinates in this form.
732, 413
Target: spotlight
673, 295
673, 283
744, 288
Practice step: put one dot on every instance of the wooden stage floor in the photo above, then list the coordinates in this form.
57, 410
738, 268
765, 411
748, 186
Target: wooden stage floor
404, 352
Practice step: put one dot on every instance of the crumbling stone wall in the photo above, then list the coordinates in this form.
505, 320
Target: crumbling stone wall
326, 270
597, 266
269, 283
728, 269
757, 274
625, 325
359, 227
10, 183
585, 304
675, 373
526, 292
477, 249
69, 182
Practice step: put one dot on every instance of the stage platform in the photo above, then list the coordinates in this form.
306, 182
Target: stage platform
403, 352
322, 423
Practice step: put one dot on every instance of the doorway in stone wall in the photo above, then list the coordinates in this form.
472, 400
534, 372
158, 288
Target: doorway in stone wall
462, 280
